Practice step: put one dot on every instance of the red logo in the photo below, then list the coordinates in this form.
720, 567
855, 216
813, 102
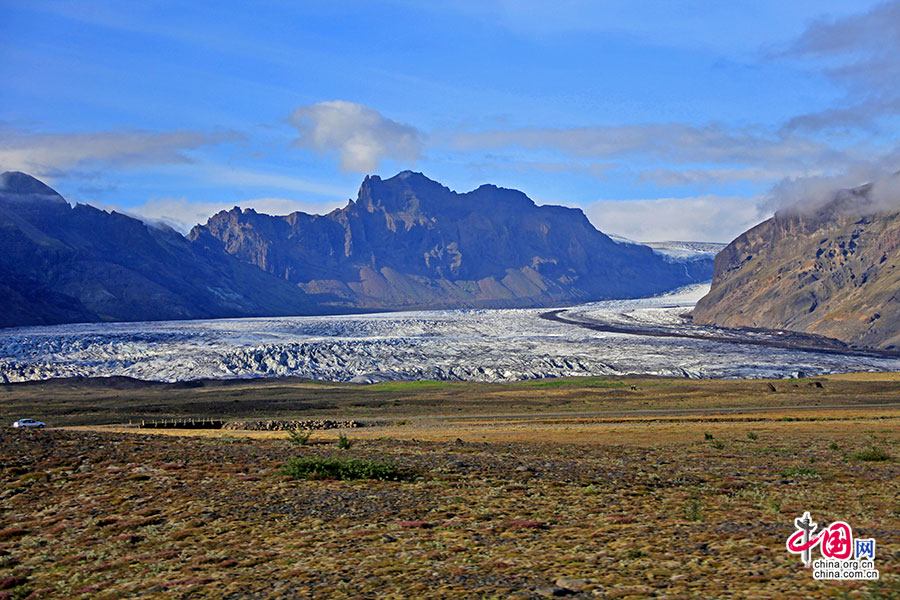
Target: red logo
835, 541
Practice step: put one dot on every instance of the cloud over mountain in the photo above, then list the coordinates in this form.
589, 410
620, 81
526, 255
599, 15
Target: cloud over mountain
677, 142
707, 218
361, 136
51, 153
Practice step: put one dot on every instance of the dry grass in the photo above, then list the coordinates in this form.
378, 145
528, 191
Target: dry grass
92, 402
99, 515
638, 506
593, 430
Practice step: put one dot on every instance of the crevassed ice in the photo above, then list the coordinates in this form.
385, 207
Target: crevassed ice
476, 345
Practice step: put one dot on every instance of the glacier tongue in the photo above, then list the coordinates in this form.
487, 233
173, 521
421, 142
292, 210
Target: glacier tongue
470, 345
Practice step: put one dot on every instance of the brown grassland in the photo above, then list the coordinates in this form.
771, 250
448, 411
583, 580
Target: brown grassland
675, 489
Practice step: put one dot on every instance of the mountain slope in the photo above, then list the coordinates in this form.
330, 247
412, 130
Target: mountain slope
406, 242
409, 242
61, 264
832, 271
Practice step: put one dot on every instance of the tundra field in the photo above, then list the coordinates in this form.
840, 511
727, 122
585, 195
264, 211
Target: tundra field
580, 488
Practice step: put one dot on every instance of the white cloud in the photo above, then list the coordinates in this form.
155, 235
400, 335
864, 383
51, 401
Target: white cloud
874, 30
46, 154
885, 193
595, 169
809, 193
699, 219
676, 177
181, 214
360, 135
855, 115
678, 143
253, 178
858, 52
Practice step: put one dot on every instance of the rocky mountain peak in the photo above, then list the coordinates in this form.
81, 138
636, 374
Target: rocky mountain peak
404, 193
21, 188
498, 198
412, 193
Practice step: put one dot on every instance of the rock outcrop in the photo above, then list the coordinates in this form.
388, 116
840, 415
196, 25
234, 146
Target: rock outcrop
833, 270
409, 242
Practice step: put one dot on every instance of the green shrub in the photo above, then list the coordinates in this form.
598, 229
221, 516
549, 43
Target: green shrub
718, 444
340, 468
299, 437
344, 442
834, 446
708, 436
693, 509
871, 454
801, 472
752, 436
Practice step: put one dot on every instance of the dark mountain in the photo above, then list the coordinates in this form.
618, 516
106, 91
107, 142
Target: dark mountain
62, 264
832, 270
409, 242
405, 242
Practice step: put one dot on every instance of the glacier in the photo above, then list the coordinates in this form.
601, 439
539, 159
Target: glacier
464, 345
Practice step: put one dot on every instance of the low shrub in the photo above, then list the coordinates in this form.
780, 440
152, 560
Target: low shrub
801, 472
344, 442
299, 437
693, 509
341, 468
871, 454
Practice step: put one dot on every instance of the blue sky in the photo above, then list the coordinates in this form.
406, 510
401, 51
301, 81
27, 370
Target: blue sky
662, 120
